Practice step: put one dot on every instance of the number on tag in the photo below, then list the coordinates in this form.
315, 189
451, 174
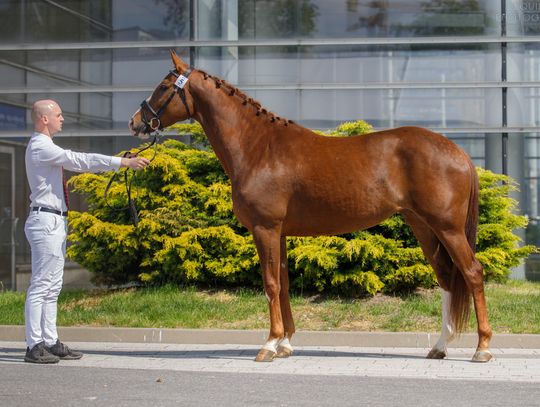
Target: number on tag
181, 81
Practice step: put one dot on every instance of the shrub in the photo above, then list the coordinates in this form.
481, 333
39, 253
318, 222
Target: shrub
187, 233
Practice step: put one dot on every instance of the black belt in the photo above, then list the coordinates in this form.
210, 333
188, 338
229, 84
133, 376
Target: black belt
43, 209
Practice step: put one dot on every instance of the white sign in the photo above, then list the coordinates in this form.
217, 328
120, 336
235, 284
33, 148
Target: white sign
181, 81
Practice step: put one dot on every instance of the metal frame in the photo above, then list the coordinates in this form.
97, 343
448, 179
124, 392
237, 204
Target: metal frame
504, 89
292, 86
11, 151
270, 43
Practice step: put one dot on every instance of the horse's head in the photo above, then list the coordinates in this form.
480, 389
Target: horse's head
169, 102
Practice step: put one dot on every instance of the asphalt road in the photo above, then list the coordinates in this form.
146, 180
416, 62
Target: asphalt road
26, 385
124, 374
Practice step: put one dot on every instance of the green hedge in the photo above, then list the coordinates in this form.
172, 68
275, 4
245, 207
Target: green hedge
188, 234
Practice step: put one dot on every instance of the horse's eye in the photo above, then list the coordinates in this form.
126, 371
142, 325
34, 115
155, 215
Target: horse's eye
163, 88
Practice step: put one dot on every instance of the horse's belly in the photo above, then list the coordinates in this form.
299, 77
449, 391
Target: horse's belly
318, 219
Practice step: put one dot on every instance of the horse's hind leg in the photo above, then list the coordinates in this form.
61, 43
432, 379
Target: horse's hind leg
284, 348
442, 264
463, 256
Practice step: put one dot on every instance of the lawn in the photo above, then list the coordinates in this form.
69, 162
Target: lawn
513, 308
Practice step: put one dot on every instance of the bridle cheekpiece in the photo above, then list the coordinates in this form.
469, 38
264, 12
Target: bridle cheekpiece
154, 123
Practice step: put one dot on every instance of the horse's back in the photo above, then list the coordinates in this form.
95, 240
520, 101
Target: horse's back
400, 152
350, 183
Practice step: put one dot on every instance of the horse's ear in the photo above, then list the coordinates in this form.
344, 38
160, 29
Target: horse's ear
180, 65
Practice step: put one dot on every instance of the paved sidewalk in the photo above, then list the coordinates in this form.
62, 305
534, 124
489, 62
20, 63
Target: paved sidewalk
517, 365
365, 354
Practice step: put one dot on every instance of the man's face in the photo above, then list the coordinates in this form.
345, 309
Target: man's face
54, 119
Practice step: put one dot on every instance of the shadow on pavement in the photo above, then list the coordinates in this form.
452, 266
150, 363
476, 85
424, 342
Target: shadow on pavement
13, 354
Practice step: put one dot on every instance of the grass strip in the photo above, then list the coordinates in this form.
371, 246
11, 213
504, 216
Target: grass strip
513, 308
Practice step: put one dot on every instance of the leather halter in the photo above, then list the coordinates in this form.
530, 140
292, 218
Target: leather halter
154, 123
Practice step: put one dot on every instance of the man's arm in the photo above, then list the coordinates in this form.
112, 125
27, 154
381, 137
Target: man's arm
84, 162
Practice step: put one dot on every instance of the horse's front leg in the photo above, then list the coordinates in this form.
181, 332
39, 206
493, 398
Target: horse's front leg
284, 348
268, 247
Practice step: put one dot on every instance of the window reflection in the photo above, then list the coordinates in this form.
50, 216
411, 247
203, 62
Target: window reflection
356, 18
147, 20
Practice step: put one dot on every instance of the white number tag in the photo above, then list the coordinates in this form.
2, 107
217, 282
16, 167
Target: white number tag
181, 81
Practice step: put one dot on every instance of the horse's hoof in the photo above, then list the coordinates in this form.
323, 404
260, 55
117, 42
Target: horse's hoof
482, 356
265, 355
283, 352
436, 354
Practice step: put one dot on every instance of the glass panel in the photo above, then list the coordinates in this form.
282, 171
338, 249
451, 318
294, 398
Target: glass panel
6, 214
12, 74
524, 62
66, 21
474, 145
264, 19
523, 17
55, 69
143, 67
524, 103
12, 117
144, 20
432, 108
531, 187
363, 64
124, 105
38, 21
12, 27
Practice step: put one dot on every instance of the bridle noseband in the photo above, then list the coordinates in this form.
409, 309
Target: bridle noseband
154, 123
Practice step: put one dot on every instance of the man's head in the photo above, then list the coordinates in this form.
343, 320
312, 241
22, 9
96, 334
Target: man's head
47, 117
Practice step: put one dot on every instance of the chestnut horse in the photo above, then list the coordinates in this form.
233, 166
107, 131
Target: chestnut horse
288, 181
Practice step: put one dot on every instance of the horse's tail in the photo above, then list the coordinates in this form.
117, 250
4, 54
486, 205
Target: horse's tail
460, 307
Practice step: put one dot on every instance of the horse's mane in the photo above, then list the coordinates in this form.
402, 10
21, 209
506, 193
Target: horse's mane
245, 99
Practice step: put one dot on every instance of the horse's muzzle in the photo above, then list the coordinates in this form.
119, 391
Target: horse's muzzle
138, 129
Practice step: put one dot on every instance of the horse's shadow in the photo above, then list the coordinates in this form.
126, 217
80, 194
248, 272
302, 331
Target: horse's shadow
17, 354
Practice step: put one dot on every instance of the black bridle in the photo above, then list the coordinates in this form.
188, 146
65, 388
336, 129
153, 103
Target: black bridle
154, 123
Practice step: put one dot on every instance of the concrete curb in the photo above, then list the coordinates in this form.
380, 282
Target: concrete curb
258, 337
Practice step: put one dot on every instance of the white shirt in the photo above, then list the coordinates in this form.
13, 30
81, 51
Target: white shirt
44, 162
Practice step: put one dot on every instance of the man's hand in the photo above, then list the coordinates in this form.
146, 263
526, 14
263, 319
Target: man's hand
135, 163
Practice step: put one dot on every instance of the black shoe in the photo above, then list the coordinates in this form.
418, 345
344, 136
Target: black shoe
64, 352
40, 354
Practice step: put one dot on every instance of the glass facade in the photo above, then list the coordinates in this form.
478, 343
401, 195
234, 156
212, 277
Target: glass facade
466, 68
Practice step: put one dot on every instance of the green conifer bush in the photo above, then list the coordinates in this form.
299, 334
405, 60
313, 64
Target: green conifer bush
187, 232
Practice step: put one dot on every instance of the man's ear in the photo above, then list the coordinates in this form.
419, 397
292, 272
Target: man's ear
180, 65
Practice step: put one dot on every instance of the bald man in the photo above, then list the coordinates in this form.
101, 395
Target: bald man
46, 227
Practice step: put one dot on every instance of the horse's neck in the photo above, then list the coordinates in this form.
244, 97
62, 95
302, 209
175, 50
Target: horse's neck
232, 129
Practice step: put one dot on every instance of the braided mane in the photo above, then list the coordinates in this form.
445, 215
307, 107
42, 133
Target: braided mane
246, 100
